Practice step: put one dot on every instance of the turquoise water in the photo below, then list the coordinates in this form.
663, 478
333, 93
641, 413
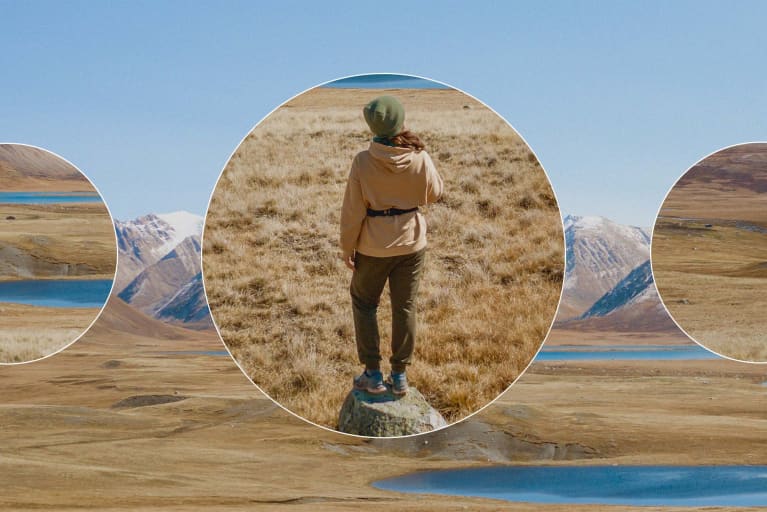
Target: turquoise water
624, 353
384, 81
48, 197
64, 293
693, 486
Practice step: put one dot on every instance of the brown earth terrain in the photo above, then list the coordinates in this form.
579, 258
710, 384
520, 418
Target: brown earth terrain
709, 252
122, 421
25, 168
648, 317
279, 292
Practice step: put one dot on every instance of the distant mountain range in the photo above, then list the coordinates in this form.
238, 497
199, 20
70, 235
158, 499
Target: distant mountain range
159, 268
608, 280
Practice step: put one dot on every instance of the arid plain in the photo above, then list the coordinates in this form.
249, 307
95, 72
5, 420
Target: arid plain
709, 252
279, 292
131, 417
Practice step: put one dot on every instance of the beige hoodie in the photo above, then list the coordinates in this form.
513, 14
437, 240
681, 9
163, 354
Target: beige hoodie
387, 177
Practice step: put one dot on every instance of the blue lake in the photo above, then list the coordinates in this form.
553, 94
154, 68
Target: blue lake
694, 486
48, 197
63, 293
624, 353
384, 81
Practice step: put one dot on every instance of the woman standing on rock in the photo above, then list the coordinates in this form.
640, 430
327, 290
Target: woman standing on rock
383, 237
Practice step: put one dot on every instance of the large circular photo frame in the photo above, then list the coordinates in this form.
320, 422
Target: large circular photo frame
375, 179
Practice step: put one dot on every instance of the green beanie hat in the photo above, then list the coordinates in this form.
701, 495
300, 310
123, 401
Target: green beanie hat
385, 116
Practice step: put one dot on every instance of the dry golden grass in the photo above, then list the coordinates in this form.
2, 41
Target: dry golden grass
279, 293
23, 345
79, 236
31, 332
709, 252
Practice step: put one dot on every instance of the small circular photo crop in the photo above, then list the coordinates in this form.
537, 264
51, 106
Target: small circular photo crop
383, 255
58, 253
709, 252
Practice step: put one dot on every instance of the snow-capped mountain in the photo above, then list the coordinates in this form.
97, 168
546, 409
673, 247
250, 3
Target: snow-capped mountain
632, 306
600, 253
145, 240
153, 286
159, 267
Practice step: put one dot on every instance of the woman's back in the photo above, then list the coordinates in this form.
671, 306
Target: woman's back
395, 177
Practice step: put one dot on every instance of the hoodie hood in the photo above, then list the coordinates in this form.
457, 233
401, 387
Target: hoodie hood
395, 159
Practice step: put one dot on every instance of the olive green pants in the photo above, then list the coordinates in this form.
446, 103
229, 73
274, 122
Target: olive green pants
368, 281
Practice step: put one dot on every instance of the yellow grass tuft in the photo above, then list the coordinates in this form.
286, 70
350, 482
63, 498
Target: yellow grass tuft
31, 332
21, 345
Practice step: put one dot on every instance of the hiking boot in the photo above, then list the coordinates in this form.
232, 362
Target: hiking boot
399, 383
370, 381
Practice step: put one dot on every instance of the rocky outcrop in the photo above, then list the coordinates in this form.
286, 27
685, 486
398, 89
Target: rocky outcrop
388, 415
18, 263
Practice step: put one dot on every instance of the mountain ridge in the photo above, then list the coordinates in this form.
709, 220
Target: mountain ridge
160, 256
607, 257
599, 253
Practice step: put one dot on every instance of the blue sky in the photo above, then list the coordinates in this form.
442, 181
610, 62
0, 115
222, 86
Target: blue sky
617, 99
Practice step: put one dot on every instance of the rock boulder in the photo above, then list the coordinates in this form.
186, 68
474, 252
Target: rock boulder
388, 415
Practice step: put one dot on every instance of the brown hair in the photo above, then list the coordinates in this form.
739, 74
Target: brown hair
407, 139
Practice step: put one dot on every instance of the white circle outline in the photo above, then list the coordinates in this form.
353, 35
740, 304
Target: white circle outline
542, 342
117, 256
652, 270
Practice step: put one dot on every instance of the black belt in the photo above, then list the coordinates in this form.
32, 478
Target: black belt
389, 212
